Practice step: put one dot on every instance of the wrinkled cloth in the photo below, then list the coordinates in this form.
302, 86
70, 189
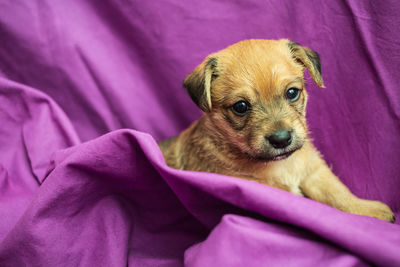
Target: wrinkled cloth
88, 87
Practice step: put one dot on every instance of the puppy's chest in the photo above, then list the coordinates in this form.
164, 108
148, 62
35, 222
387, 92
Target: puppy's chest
286, 175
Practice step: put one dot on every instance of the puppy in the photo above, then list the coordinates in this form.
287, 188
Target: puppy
254, 100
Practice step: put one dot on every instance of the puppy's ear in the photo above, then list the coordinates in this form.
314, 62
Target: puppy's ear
198, 83
309, 59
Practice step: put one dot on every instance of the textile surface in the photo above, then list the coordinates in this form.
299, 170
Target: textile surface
87, 88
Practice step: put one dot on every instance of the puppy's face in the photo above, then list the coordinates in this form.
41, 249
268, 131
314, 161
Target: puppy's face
254, 95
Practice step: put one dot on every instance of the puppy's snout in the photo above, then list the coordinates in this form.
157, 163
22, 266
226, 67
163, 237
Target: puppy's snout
280, 139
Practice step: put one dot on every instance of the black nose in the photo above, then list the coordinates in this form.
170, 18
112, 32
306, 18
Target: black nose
280, 139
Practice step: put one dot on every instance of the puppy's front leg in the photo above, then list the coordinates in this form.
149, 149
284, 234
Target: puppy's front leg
323, 186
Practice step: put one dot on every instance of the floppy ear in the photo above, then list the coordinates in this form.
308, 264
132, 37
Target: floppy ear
198, 83
309, 59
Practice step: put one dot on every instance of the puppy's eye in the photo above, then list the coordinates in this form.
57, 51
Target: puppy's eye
240, 108
292, 94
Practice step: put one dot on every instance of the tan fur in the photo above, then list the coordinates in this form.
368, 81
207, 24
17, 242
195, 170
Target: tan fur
260, 72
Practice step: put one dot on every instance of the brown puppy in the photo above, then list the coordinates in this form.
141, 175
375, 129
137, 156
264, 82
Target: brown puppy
254, 99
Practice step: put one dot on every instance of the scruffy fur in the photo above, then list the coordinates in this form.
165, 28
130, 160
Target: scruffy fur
260, 72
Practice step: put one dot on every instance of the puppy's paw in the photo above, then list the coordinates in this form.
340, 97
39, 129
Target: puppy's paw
378, 210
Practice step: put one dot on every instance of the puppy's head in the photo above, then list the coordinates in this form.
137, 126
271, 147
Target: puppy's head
254, 96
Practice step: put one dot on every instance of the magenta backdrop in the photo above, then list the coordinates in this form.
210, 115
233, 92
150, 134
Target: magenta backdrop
71, 71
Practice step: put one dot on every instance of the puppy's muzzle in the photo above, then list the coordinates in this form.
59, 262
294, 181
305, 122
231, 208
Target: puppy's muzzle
280, 139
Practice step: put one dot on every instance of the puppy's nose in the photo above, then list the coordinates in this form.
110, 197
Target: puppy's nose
280, 139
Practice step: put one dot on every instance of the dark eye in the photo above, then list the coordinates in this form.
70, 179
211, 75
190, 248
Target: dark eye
240, 108
293, 94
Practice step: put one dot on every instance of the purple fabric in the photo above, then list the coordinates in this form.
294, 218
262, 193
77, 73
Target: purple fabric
71, 71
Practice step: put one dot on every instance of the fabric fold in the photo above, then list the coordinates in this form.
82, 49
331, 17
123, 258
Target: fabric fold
115, 194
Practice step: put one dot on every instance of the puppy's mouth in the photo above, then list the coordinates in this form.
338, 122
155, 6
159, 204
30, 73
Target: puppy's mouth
283, 155
280, 156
